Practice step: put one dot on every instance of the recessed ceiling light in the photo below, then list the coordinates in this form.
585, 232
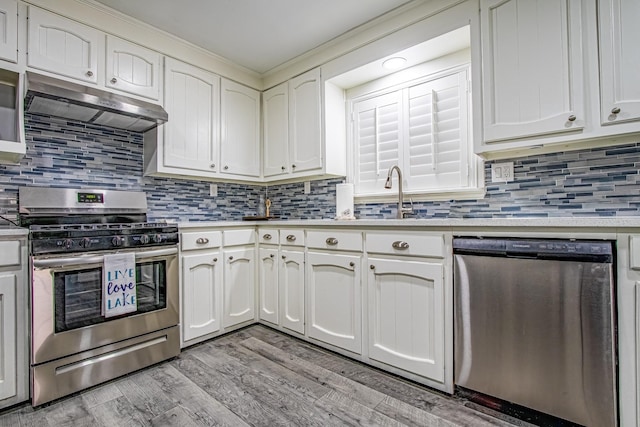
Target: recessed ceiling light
394, 63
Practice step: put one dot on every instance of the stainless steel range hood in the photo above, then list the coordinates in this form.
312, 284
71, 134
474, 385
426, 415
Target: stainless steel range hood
53, 97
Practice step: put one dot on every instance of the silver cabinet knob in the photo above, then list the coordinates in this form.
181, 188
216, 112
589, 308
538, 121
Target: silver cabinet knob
284, 257
226, 167
572, 118
283, 168
293, 166
89, 73
202, 240
212, 165
291, 238
267, 236
372, 267
271, 255
399, 244
215, 260
331, 241
230, 258
114, 80
615, 110
352, 264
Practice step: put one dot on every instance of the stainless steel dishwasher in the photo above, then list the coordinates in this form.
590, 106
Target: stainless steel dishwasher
535, 327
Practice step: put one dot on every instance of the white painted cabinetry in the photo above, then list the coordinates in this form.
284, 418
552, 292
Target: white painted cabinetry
406, 305
305, 122
240, 130
62, 46
201, 284
9, 30
14, 343
132, 68
333, 287
275, 132
281, 278
190, 143
619, 60
531, 68
239, 277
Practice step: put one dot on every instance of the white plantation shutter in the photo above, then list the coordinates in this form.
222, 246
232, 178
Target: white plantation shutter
437, 134
377, 140
423, 128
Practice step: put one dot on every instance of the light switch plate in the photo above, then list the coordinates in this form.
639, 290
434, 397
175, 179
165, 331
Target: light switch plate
213, 190
307, 187
502, 172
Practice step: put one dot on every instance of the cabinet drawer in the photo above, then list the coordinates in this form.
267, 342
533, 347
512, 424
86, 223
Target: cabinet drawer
292, 237
239, 237
200, 240
339, 240
268, 236
405, 243
10, 253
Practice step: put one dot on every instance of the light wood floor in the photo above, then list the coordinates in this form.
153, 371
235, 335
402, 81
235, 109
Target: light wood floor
256, 377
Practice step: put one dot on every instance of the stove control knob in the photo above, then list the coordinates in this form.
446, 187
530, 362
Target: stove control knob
85, 242
117, 241
158, 238
144, 239
67, 243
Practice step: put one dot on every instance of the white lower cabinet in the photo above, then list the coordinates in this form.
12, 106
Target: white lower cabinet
201, 294
201, 284
406, 315
291, 290
334, 299
239, 285
14, 342
268, 284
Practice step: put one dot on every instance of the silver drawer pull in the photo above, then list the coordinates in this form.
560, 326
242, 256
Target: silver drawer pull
202, 240
399, 244
267, 236
352, 264
291, 238
331, 241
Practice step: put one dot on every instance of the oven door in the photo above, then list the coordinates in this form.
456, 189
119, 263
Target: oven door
67, 302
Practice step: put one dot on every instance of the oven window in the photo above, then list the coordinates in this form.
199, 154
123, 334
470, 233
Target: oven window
78, 294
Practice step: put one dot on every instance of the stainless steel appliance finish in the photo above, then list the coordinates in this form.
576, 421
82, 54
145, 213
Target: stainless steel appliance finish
54, 97
534, 325
73, 344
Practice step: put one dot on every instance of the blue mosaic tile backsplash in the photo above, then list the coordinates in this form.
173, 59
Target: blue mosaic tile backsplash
595, 182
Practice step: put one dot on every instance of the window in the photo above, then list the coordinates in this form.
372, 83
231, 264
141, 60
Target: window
423, 126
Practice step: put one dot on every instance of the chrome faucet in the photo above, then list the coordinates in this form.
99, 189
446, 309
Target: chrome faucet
401, 211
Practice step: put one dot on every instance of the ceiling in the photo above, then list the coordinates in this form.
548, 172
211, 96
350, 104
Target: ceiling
256, 34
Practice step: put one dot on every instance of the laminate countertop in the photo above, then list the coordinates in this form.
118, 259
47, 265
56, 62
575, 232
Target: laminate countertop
595, 223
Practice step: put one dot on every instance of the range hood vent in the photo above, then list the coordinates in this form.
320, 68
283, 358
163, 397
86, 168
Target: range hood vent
53, 97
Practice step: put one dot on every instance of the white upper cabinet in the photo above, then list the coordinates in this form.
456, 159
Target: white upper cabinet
191, 136
62, 46
132, 68
240, 122
275, 138
532, 68
9, 30
619, 34
304, 122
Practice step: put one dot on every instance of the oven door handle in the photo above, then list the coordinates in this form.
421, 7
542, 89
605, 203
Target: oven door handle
99, 259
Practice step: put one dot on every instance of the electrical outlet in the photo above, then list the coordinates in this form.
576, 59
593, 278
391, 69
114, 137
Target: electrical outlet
502, 172
307, 187
213, 190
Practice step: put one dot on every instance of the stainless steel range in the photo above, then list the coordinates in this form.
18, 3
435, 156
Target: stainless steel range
104, 287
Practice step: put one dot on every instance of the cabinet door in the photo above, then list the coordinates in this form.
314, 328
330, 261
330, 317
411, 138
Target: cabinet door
201, 294
531, 68
275, 108
192, 98
292, 290
268, 280
132, 68
9, 30
406, 315
63, 46
240, 119
334, 299
239, 285
8, 343
305, 133
619, 60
